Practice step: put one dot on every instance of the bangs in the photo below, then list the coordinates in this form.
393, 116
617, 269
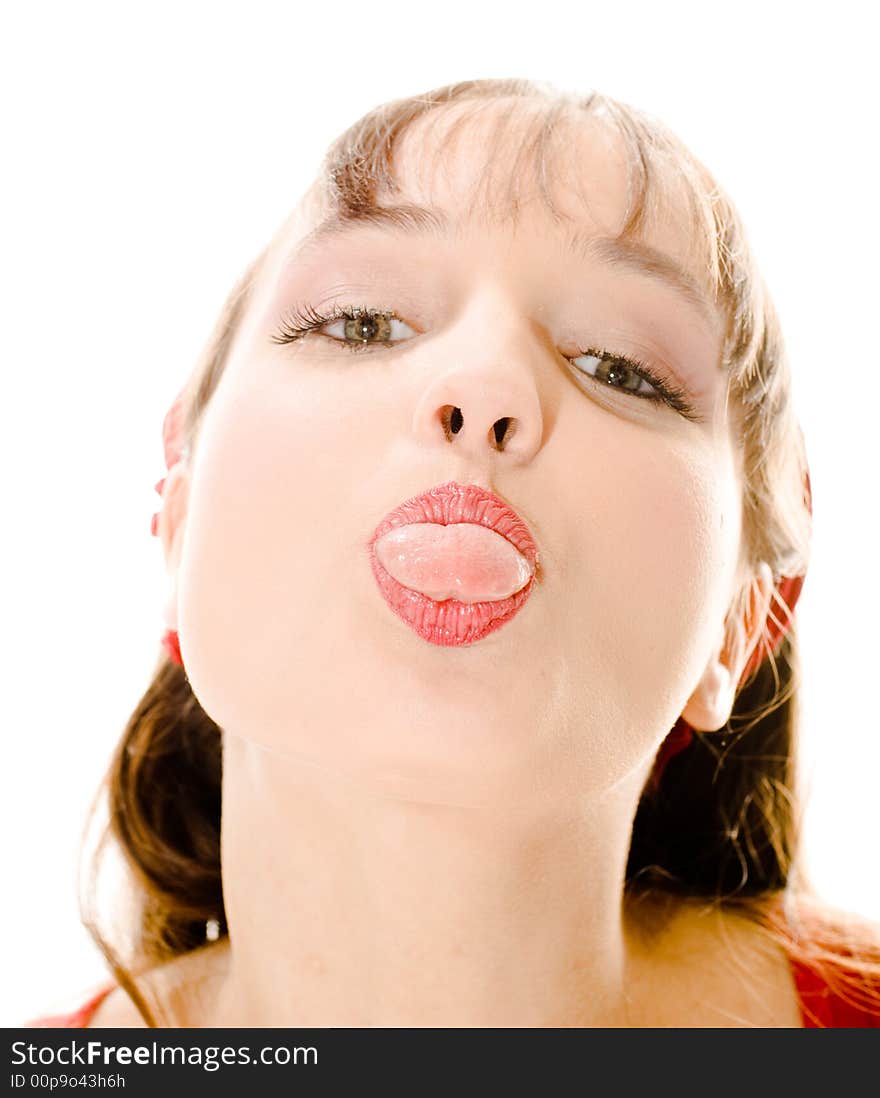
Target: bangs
528, 153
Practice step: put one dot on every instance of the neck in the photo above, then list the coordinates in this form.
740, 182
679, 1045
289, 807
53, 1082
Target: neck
352, 907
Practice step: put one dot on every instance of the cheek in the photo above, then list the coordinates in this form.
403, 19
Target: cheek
657, 524
264, 556
280, 459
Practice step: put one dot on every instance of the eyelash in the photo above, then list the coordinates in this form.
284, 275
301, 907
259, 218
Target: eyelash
298, 322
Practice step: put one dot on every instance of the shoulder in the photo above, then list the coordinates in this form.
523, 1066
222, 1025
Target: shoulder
712, 966
78, 1016
789, 961
835, 956
117, 1011
176, 991
742, 974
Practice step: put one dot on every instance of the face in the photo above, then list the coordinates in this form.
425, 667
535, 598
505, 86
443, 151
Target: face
618, 457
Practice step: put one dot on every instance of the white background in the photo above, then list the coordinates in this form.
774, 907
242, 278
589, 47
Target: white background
150, 152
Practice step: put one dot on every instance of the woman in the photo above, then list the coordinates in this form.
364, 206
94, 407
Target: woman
489, 478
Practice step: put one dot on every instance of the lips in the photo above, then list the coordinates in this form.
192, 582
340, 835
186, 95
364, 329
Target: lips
489, 563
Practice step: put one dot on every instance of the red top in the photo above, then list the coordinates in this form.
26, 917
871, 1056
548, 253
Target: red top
825, 1008
821, 1007
79, 1019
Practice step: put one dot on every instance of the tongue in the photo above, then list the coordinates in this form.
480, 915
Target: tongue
461, 561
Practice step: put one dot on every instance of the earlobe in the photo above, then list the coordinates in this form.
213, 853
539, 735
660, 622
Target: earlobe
709, 707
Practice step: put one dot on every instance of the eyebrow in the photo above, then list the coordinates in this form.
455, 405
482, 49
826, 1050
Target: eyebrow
410, 219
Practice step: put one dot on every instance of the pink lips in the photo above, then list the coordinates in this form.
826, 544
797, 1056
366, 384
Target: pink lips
450, 621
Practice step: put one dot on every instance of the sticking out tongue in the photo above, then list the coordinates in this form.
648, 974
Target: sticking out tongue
461, 561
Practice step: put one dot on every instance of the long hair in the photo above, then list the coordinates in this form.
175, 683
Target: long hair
722, 823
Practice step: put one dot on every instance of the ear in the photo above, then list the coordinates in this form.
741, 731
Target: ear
710, 705
172, 522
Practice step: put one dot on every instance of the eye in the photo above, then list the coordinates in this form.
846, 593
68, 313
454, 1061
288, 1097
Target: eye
368, 326
617, 372
353, 328
613, 371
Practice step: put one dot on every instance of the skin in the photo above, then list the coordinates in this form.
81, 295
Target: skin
423, 835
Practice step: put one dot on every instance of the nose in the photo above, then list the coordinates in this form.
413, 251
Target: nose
487, 403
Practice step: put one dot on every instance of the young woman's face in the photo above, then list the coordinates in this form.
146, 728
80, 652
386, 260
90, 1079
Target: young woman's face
633, 497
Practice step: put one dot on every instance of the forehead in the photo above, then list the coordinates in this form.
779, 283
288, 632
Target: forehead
495, 160
510, 164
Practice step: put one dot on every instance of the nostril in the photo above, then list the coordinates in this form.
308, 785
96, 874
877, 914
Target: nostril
500, 429
452, 421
